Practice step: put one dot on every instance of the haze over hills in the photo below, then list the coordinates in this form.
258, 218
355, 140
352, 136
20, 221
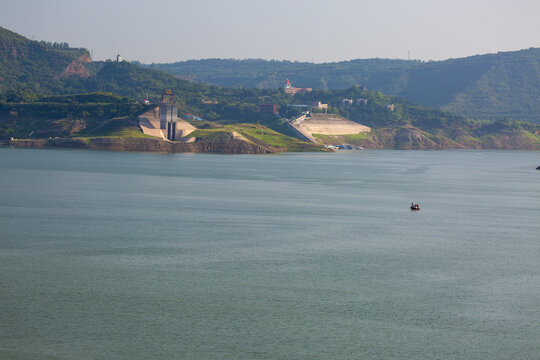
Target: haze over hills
505, 85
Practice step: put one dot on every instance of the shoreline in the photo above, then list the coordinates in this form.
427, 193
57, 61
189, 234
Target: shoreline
223, 146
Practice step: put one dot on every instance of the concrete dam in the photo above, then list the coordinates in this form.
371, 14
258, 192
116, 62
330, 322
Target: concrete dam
326, 124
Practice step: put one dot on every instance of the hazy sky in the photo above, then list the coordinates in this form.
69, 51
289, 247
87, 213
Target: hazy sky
303, 30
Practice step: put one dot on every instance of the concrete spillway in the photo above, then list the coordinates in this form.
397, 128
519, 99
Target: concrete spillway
326, 124
150, 125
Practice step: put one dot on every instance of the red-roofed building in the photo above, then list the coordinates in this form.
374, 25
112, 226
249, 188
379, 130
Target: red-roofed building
289, 89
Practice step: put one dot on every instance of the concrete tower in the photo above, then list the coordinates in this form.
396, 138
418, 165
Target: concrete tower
168, 114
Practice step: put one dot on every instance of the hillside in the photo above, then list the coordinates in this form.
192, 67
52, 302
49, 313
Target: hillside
505, 85
399, 124
259, 73
51, 90
97, 114
28, 66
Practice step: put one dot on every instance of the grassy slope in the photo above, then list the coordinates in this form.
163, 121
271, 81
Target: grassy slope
353, 139
259, 134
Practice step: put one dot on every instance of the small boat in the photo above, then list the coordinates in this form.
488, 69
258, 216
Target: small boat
415, 207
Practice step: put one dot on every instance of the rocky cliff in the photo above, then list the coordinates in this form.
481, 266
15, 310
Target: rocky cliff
407, 138
411, 138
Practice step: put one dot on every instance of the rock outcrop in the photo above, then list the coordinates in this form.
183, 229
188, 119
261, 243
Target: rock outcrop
407, 138
509, 140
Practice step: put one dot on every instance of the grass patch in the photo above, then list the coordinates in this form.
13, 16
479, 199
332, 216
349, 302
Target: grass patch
353, 139
125, 127
532, 136
129, 132
259, 134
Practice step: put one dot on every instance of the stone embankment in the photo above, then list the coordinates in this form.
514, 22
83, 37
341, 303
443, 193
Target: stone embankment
325, 124
223, 144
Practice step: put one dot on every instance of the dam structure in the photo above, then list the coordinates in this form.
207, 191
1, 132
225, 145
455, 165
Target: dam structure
308, 124
162, 121
168, 115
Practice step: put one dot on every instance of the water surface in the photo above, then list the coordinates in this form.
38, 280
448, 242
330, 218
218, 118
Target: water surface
109, 255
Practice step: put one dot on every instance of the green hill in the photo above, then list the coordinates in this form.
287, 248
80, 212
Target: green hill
258, 73
29, 67
505, 85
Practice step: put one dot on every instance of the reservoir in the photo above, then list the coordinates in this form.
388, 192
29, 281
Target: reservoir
111, 255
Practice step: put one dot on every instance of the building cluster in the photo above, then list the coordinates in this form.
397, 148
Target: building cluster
320, 105
289, 89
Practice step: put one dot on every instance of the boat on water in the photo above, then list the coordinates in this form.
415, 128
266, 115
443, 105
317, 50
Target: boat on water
415, 207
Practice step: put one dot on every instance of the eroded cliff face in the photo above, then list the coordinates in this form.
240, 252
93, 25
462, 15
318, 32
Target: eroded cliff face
407, 138
76, 68
411, 138
512, 140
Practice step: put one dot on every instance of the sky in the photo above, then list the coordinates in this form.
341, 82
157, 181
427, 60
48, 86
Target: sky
165, 31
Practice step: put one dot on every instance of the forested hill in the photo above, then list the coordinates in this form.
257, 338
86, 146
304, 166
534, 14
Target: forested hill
492, 86
258, 73
32, 69
33, 66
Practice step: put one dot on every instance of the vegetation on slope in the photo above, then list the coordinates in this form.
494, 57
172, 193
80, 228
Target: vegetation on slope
28, 67
259, 134
39, 98
492, 86
96, 114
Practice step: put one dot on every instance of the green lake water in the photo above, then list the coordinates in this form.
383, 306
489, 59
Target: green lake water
108, 255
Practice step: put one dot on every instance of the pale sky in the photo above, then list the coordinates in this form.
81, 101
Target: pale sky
302, 30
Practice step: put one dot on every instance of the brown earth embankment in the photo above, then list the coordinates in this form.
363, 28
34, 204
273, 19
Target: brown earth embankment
224, 145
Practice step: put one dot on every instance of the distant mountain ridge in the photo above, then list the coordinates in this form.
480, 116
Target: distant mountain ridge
505, 85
